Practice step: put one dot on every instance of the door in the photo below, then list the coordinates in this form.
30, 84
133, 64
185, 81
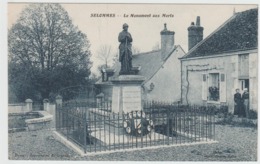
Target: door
244, 84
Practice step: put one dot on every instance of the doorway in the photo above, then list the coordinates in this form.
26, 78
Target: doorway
244, 84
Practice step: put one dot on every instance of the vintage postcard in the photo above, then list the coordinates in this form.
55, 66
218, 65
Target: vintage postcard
132, 82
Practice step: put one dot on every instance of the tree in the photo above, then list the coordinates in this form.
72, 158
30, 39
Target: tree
46, 52
101, 67
104, 54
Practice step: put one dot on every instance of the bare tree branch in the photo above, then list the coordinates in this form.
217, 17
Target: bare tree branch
104, 54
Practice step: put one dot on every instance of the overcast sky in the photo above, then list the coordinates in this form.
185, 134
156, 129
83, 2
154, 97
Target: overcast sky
145, 31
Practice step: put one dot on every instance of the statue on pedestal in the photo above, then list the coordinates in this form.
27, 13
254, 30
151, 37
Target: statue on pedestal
125, 51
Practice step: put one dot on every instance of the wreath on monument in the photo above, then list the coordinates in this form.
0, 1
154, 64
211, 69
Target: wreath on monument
137, 124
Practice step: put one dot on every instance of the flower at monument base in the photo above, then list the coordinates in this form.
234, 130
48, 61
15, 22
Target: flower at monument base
137, 124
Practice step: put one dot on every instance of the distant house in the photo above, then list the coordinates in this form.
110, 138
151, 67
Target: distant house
227, 59
161, 69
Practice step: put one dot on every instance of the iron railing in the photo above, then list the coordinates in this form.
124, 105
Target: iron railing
95, 128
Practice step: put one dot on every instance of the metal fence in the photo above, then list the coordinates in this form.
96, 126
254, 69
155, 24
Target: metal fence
94, 128
36, 106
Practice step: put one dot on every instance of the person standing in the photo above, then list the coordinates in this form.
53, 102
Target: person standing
245, 98
125, 50
238, 104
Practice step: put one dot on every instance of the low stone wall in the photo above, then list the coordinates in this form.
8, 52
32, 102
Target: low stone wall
20, 107
40, 123
17, 108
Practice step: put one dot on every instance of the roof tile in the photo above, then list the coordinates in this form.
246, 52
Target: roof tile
238, 33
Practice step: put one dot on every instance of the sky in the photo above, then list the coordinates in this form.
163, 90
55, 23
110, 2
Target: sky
145, 31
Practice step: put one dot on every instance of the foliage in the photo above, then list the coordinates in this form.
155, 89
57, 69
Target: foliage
226, 119
219, 110
230, 119
252, 114
46, 53
248, 123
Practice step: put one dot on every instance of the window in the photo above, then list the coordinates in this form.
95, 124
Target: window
214, 87
244, 65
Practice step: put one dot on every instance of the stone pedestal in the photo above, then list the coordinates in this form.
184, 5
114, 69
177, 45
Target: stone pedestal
46, 105
127, 95
28, 103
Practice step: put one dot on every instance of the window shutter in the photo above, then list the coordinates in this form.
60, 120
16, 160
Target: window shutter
223, 88
204, 87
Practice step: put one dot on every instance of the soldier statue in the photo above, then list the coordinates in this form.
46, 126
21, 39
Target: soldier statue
125, 51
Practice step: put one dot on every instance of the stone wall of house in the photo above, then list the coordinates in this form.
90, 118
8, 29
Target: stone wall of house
167, 81
253, 72
228, 64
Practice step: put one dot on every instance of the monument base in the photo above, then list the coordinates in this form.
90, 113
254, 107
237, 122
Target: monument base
134, 71
127, 93
127, 73
108, 137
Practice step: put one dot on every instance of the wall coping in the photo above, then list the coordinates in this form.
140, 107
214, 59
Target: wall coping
45, 117
28, 101
17, 104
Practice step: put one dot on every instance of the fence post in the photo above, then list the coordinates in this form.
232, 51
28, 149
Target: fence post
28, 105
58, 100
85, 132
168, 126
46, 105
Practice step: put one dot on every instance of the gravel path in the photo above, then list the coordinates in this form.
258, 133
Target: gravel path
234, 144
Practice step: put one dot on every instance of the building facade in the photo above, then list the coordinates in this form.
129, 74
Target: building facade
226, 60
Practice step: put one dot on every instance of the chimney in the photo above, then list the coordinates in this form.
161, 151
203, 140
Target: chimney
167, 41
195, 33
198, 21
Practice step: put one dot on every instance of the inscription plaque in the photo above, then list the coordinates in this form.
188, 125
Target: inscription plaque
131, 98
